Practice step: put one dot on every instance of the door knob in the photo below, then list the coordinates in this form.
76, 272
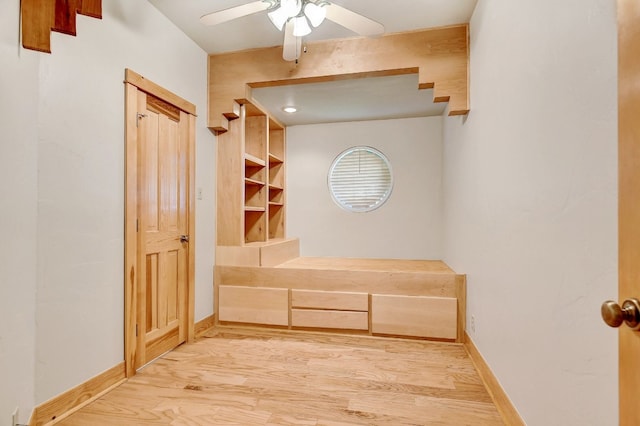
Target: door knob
629, 313
184, 238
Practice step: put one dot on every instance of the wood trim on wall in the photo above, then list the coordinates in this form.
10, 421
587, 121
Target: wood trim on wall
130, 234
504, 405
65, 404
191, 207
133, 83
204, 324
461, 296
158, 91
440, 57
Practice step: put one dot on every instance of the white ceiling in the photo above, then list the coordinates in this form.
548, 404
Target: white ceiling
349, 100
376, 98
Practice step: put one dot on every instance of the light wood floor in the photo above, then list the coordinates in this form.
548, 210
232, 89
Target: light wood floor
249, 377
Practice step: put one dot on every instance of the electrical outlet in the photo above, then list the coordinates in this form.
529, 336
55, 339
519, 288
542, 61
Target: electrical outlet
473, 324
14, 417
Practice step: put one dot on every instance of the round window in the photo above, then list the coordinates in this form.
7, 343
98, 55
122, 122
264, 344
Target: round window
360, 179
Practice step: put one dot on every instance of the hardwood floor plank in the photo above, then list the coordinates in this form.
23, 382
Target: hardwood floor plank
269, 377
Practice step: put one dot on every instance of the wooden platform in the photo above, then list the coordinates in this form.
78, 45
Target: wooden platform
379, 265
412, 298
265, 377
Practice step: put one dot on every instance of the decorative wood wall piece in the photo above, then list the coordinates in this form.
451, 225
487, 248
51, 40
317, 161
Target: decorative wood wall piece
65, 17
439, 56
40, 17
91, 8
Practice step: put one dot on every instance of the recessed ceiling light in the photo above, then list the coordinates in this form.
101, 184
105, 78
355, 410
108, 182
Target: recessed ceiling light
289, 109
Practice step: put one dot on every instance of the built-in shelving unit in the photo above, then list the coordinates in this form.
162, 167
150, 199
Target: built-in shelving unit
255, 173
276, 180
251, 180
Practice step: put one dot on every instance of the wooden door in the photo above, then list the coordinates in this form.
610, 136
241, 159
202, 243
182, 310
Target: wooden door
629, 201
163, 229
159, 221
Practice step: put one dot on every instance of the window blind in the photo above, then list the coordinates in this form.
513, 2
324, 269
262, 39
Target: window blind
360, 179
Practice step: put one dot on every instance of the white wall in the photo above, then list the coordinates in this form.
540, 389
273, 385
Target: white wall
407, 226
531, 204
18, 195
63, 176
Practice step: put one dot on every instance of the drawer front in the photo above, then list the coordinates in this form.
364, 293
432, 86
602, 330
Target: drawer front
420, 316
335, 300
345, 320
256, 305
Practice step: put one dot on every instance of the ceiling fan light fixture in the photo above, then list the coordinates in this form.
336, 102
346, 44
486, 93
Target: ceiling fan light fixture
301, 26
287, 9
278, 18
315, 13
291, 7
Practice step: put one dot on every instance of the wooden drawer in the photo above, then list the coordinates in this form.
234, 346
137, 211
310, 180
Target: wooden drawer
422, 316
334, 300
346, 320
256, 305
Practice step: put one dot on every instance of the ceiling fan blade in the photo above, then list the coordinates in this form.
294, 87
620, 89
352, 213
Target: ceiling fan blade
225, 15
353, 21
292, 45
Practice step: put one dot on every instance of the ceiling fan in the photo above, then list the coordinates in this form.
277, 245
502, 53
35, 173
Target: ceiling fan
294, 16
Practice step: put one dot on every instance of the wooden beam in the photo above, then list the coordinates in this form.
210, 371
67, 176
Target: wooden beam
439, 57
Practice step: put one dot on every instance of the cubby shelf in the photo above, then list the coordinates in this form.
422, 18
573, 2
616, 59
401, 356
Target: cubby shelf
248, 181
253, 161
254, 209
274, 159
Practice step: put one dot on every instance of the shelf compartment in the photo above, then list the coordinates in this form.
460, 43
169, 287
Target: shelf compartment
253, 161
255, 128
255, 194
276, 141
276, 221
255, 173
255, 224
249, 181
254, 209
273, 159
276, 174
276, 195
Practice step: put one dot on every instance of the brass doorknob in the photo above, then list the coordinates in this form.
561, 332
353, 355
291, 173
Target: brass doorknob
629, 313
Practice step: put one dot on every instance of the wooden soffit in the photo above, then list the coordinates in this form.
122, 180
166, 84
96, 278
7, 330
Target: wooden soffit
439, 56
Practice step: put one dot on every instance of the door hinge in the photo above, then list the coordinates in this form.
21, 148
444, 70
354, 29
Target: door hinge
136, 330
137, 225
139, 117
